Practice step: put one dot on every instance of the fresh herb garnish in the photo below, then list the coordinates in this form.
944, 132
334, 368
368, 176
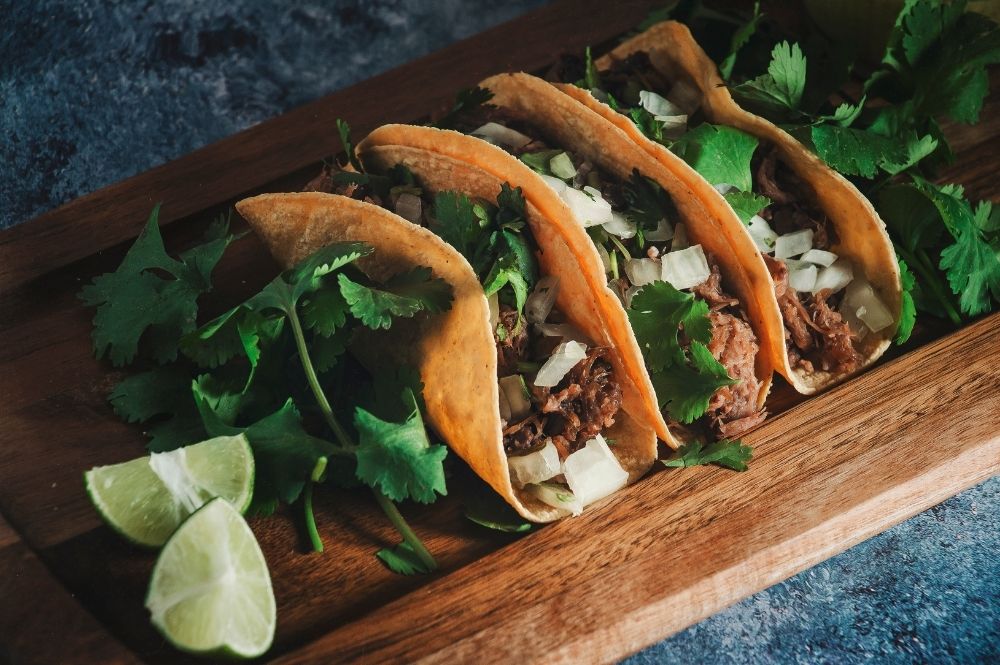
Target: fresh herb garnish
684, 378
234, 376
720, 154
467, 101
730, 454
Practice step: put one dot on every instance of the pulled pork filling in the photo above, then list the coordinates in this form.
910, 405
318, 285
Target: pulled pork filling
816, 334
578, 408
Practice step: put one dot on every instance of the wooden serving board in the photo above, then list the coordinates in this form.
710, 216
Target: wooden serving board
656, 557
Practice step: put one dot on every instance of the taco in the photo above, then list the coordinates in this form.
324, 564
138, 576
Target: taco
689, 280
833, 269
520, 382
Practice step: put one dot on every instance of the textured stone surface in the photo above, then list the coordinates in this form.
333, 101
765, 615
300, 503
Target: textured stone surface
91, 93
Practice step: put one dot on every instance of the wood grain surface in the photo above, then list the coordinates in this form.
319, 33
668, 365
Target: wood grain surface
675, 548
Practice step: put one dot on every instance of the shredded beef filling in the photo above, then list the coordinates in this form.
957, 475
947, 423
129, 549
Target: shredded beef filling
571, 413
732, 410
817, 336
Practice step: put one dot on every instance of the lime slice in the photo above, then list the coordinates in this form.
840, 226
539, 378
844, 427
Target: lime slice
211, 592
146, 499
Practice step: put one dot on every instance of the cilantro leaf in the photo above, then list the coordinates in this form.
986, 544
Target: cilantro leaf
344, 130
403, 295
647, 123
466, 102
138, 302
684, 390
161, 398
657, 313
397, 458
325, 350
402, 560
539, 161
856, 152
972, 266
456, 222
746, 204
720, 154
739, 40
647, 202
730, 454
781, 88
908, 311
324, 311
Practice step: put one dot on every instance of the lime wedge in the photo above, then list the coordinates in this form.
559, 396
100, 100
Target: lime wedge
211, 592
146, 499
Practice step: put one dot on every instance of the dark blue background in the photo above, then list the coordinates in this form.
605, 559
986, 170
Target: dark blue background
92, 92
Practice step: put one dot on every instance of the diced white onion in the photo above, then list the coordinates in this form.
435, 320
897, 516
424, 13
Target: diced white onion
658, 105
494, 304
517, 396
566, 331
557, 496
534, 467
593, 472
762, 233
504, 407
861, 299
795, 264
663, 231
504, 136
588, 209
723, 188
408, 206
793, 244
620, 226
834, 277
555, 183
819, 257
562, 167
542, 298
680, 238
686, 267
643, 271
686, 96
803, 279
562, 360
674, 126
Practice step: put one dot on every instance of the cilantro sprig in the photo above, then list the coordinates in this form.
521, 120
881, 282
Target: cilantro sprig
730, 454
232, 374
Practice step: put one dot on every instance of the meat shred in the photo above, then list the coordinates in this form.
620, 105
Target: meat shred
571, 413
512, 343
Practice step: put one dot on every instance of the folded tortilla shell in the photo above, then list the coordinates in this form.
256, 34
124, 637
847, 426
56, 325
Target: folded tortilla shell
862, 236
454, 351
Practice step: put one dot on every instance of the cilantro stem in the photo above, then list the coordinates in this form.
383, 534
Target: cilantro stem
409, 537
307, 366
921, 264
307, 503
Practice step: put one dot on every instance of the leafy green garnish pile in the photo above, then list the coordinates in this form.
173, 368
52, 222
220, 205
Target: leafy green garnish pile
265, 368
885, 134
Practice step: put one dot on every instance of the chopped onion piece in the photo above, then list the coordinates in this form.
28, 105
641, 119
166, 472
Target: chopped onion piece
685, 95
563, 330
762, 233
518, 397
542, 298
555, 183
534, 467
834, 277
658, 105
723, 188
588, 209
497, 134
557, 496
686, 267
680, 238
593, 472
795, 264
504, 407
562, 360
803, 279
605, 257
819, 257
674, 126
663, 231
641, 272
861, 299
493, 302
620, 226
408, 206
562, 167
793, 244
